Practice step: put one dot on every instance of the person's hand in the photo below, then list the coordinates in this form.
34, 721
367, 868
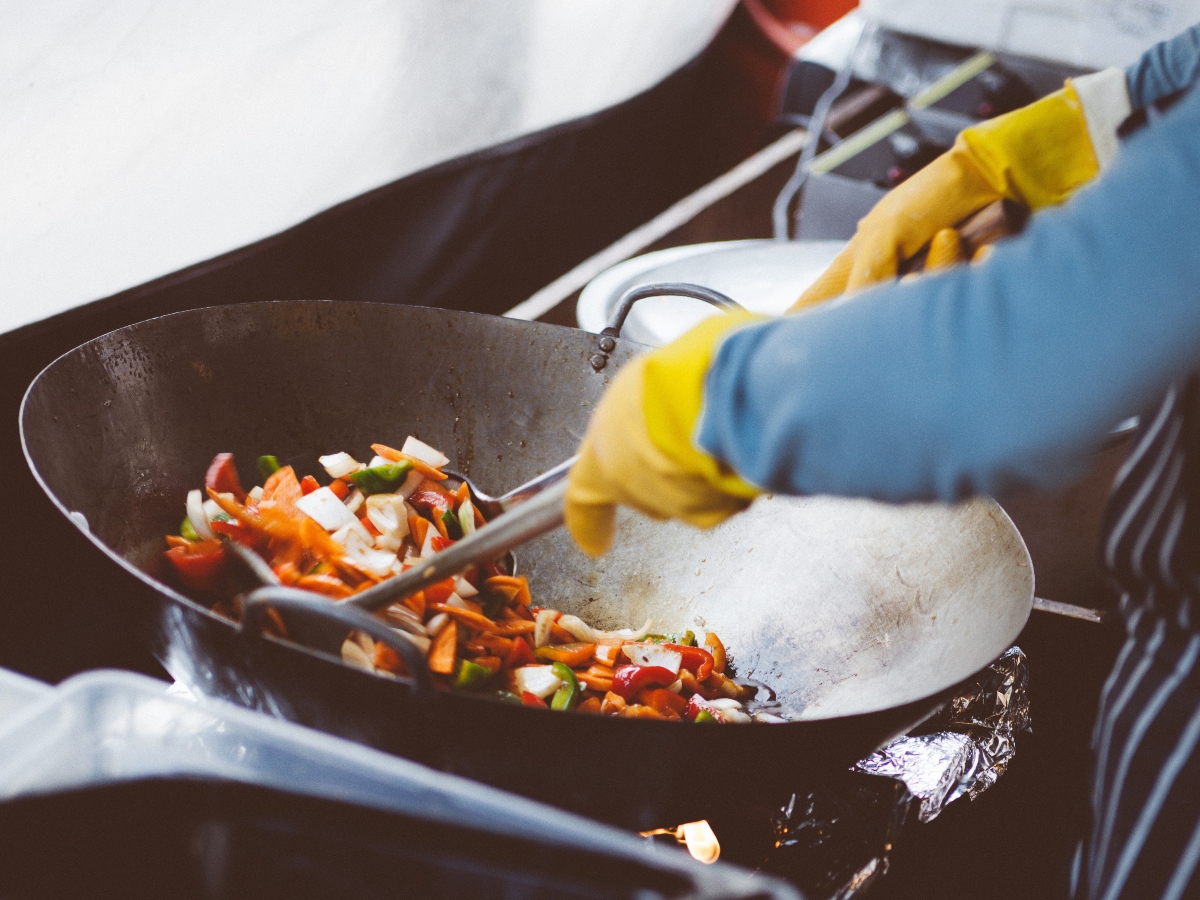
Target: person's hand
1037, 156
638, 449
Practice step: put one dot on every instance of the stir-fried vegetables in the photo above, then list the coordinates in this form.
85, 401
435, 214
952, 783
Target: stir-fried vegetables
480, 630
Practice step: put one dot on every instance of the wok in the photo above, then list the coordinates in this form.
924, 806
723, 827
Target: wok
858, 615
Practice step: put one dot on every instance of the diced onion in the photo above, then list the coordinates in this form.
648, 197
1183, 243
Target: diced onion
675, 686
389, 542
768, 717
377, 461
422, 451
326, 508
456, 601
434, 625
538, 680
255, 493
356, 655
339, 465
606, 654
427, 549
464, 588
541, 629
196, 515
734, 716
387, 513
354, 500
654, 655
724, 703
410, 485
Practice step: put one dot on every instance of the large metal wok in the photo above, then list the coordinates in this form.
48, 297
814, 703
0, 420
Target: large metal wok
858, 615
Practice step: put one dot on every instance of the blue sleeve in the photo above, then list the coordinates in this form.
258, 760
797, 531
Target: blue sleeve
984, 377
1164, 69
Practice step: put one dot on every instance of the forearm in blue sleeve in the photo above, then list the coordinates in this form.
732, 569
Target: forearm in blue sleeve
983, 377
1165, 69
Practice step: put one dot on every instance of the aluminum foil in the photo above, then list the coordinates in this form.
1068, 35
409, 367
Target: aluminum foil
835, 840
967, 746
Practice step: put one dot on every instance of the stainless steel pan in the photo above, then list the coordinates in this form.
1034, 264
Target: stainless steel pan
858, 615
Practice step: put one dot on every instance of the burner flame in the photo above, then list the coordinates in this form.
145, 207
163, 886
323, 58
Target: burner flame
698, 837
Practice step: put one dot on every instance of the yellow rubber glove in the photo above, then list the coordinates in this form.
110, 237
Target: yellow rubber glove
1038, 156
638, 449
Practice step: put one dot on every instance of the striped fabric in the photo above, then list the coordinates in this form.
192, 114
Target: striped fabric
1145, 803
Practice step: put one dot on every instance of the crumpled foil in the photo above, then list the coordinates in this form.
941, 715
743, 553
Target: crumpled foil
966, 746
835, 840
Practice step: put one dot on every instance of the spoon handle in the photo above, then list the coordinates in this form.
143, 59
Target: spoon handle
534, 517
530, 489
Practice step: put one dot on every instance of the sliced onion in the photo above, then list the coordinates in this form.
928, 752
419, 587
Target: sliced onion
724, 703
580, 630
541, 628
423, 643
466, 518
196, 515
456, 601
464, 588
356, 655
654, 655
400, 616
606, 654
768, 717
339, 465
389, 542
422, 451
539, 680
387, 513
434, 625
625, 634
734, 716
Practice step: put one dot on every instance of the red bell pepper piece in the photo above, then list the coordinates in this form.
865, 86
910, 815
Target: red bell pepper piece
308, 484
628, 681
439, 543
696, 705
519, 655
222, 477
528, 698
198, 565
697, 661
432, 503
238, 532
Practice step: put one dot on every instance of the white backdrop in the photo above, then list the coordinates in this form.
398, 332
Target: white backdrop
139, 137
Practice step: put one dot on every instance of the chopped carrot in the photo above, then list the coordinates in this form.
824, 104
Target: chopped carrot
637, 711
480, 521
416, 602
440, 525
439, 591
174, 540
467, 617
488, 662
591, 705
308, 484
560, 635
389, 660
275, 623
419, 464
594, 682
340, 487
512, 628
663, 701
612, 703
418, 527
445, 648
573, 655
717, 649
461, 495
282, 488
370, 526
328, 585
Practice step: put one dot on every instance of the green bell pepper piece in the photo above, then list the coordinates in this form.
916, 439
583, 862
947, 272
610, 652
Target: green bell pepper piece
508, 697
453, 528
471, 675
187, 531
380, 479
268, 466
705, 716
567, 696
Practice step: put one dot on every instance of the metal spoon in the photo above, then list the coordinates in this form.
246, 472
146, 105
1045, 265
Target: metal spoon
491, 507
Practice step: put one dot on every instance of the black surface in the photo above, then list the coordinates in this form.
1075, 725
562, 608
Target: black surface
193, 838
